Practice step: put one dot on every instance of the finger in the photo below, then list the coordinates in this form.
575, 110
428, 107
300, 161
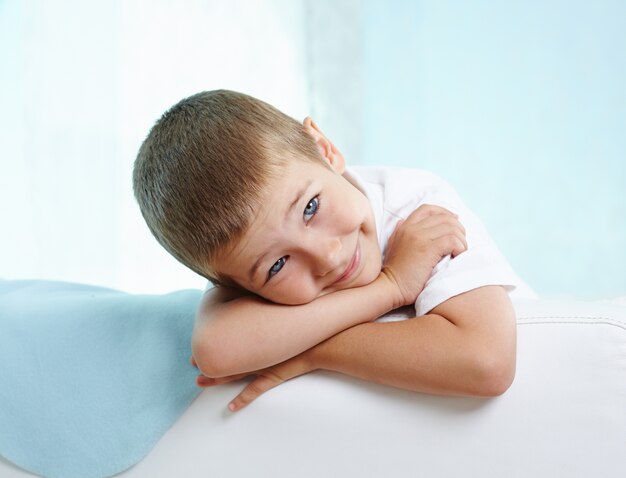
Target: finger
443, 230
426, 210
204, 381
426, 217
253, 390
437, 225
271, 377
459, 247
434, 220
451, 244
448, 238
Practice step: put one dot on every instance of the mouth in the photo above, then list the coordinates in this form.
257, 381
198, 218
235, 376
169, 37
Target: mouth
352, 266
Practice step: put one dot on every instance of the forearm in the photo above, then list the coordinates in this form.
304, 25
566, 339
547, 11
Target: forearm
249, 333
428, 354
424, 354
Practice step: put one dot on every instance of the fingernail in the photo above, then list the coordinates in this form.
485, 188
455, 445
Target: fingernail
231, 407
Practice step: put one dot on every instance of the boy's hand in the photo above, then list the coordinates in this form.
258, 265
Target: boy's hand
265, 380
417, 245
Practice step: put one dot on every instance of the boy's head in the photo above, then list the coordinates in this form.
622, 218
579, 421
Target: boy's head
219, 181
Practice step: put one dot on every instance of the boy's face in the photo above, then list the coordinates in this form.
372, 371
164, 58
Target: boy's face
315, 234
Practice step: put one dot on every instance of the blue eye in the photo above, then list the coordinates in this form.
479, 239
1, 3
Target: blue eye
278, 265
311, 209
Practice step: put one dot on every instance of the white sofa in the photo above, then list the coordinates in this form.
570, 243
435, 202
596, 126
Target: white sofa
564, 416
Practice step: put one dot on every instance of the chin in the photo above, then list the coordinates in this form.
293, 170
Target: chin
367, 277
371, 271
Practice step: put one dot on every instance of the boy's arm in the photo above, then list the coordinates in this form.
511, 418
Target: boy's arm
239, 334
465, 346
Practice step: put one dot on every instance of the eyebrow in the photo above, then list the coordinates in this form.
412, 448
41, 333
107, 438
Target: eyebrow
298, 196
255, 267
292, 204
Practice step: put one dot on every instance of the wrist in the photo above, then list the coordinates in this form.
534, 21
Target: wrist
315, 355
388, 281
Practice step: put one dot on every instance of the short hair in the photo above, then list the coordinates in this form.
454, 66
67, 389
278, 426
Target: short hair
200, 174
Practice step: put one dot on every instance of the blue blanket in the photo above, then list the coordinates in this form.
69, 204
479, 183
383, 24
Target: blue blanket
90, 378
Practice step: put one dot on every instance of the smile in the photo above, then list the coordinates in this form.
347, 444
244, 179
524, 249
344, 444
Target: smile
352, 266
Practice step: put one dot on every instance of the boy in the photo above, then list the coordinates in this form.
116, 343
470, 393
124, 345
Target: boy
264, 208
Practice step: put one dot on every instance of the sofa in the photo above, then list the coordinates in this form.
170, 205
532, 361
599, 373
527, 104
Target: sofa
564, 416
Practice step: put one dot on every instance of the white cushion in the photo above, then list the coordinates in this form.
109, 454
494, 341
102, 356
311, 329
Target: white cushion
565, 415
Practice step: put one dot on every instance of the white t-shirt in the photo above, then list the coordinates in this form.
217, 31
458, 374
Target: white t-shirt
396, 192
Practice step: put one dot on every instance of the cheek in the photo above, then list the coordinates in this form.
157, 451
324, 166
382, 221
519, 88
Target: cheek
294, 291
373, 262
349, 214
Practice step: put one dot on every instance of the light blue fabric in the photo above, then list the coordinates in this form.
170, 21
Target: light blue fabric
90, 378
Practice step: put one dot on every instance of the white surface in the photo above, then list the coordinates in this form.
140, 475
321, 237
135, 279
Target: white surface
565, 415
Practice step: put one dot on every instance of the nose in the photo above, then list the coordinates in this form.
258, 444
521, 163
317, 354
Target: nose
325, 253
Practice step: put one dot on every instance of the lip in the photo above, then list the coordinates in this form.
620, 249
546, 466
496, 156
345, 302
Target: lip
352, 266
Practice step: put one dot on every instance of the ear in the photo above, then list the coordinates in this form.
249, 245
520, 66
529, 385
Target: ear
326, 148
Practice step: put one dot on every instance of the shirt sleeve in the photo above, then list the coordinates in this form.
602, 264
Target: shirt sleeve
480, 265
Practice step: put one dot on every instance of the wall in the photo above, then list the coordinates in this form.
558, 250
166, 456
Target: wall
82, 83
520, 105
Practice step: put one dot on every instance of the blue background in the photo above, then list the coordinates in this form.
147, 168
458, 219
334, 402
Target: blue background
522, 107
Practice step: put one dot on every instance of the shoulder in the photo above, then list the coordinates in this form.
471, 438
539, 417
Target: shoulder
404, 189
396, 175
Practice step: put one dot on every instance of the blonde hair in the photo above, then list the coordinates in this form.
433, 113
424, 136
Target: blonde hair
200, 173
